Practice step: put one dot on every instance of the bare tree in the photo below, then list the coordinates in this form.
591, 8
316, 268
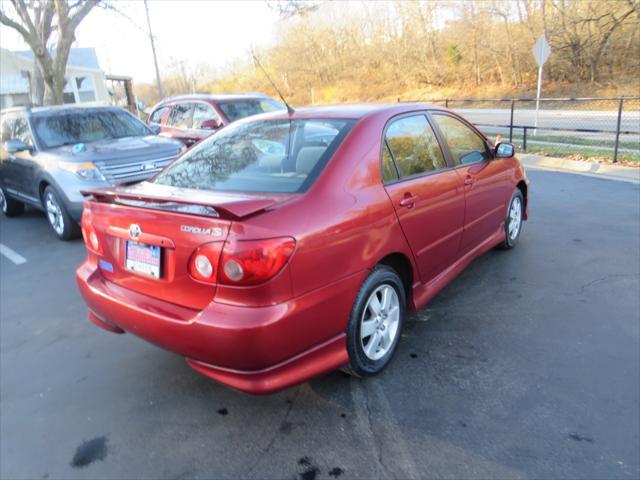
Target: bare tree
48, 27
292, 8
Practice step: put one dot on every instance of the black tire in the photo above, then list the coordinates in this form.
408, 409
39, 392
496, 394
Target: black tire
68, 229
10, 206
359, 363
511, 241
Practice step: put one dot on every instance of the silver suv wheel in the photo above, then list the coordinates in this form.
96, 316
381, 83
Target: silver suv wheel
54, 213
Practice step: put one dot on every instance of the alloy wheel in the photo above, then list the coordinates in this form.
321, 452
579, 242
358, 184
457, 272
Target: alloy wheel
515, 218
379, 322
54, 213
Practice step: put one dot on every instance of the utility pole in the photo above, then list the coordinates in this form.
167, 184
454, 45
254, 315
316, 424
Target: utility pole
153, 49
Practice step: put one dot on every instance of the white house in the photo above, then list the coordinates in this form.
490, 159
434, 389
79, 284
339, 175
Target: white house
85, 79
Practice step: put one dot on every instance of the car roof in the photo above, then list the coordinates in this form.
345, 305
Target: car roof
63, 108
351, 111
217, 97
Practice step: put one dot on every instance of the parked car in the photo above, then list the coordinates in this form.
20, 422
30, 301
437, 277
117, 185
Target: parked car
49, 154
267, 257
191, 118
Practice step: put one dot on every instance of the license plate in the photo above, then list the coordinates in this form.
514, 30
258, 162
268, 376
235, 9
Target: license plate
143, 259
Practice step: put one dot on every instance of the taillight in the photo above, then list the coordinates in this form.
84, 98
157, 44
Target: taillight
89, 234
203, 262
250, 262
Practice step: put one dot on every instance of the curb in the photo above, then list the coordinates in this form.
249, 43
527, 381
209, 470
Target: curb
598, 170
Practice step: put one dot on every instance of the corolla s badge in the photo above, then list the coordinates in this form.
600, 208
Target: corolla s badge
135, 231
216, 232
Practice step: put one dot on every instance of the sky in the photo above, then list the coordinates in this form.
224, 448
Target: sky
202, 32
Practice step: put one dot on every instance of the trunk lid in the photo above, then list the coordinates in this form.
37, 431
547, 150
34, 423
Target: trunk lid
178, 221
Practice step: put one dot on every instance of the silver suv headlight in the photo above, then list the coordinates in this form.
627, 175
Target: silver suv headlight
86, 171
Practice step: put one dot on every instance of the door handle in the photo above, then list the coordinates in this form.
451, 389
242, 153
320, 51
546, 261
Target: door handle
408, 200
468, 181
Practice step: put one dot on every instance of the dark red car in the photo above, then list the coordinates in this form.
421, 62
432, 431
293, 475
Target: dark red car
287, 246
191, 118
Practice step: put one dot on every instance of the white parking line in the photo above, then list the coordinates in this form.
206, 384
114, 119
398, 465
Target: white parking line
11, 255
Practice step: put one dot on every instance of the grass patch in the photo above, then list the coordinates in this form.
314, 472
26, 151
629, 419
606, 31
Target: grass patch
596, 142
570, 139
584, 153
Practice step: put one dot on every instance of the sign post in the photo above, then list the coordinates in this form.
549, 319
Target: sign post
541, 52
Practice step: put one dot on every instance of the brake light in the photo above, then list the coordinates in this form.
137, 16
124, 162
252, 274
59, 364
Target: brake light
89, 234
250, 262
203, 261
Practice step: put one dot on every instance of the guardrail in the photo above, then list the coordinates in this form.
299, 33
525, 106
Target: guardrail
606, 120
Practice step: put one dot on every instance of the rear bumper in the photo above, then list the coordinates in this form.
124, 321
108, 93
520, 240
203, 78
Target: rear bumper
253, 349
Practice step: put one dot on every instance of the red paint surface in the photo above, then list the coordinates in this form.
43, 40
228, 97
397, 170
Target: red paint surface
266, 337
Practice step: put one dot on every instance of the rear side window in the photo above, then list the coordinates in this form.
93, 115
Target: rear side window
245, 108
466, 146
279, 156
389, 172
181, 115
414, 146
158, 115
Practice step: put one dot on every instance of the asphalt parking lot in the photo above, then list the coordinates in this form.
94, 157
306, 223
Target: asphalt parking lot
527, 365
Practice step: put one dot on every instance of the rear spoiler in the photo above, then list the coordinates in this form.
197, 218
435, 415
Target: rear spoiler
223, 207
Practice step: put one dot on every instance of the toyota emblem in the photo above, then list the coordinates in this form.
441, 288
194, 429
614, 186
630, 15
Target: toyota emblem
134, 231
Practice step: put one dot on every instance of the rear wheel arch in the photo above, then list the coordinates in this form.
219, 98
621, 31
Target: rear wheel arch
522, 186
401, 264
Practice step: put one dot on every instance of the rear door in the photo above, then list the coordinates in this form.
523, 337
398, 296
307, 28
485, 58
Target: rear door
484, 179
426, 193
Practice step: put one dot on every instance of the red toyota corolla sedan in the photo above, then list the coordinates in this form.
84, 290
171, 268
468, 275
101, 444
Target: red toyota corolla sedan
289, 245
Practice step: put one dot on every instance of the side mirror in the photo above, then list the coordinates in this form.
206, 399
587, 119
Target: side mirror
155, 129
210, 124
504, 150
15, 146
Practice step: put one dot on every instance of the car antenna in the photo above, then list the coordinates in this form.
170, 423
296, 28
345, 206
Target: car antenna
257, 62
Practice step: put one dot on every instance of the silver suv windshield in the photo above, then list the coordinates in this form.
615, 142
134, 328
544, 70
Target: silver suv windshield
68, 128
279, 156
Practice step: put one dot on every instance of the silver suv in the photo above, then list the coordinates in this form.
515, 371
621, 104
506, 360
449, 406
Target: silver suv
49, 154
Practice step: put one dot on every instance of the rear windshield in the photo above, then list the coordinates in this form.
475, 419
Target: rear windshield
279, 156
245, 108
69, 128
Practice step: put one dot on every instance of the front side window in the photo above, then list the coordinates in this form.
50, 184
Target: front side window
181, 115
203, 115
414, 146
279, 156
68, 128
244, 108
21, 131
7, 123
466, 146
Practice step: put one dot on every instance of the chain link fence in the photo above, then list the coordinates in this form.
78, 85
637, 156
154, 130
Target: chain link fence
593, 127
